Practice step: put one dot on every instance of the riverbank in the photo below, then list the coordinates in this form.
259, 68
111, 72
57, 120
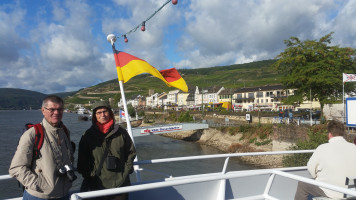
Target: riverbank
239, 137
233, 144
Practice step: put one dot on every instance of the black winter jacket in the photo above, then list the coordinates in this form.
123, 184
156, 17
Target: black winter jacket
91, 150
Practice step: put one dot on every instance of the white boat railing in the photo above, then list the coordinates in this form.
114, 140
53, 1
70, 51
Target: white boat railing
202, 157
220, 176
215, 177
134, 188
5, 177
227, 155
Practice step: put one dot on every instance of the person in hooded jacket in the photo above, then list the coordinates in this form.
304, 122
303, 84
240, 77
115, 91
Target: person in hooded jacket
106, 153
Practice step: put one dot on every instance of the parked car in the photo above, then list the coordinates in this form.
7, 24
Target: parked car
316, 114
305, 114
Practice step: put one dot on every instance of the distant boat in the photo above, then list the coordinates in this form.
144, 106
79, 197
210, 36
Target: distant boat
82, 111
83, 117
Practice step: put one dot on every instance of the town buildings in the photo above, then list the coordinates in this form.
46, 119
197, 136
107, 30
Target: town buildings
264, 98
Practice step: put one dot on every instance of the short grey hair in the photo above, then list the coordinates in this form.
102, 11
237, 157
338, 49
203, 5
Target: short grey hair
52, 98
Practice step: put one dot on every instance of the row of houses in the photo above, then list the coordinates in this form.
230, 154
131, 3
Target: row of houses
268, 98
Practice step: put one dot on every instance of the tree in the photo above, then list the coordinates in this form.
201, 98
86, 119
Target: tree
185, 117
317, 67
117, 98
131, 110
316, 136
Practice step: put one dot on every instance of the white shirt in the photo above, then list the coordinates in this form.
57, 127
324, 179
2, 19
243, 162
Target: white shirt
332, 162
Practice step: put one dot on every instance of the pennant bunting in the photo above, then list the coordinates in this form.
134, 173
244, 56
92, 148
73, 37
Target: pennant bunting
128, 66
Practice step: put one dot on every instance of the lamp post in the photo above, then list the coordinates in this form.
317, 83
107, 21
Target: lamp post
258, 101
202, 100
230, 100
310, 111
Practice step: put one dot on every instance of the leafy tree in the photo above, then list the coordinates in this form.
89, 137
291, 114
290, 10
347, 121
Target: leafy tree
224, 112
69, 106
117, 98
315, 66
172, 116
316, 136
185, 117
141, 113
131, 110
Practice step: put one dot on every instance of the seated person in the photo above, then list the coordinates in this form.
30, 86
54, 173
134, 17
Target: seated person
331, 163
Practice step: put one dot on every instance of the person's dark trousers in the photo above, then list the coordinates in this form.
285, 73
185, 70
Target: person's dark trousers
27, 196
305, 190
124, 196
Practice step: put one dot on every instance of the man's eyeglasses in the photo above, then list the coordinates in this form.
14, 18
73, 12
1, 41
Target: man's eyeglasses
54, 109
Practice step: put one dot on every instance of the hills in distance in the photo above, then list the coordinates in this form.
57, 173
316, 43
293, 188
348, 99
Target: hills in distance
19, 99
235, 76
15, 99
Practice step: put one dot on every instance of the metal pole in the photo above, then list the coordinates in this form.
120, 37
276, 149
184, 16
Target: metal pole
343, 102
258, 106
310, 111
213, 97
128, 123
129, 129
230, 107
202, 99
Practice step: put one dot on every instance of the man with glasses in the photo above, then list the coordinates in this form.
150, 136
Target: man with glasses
49, 175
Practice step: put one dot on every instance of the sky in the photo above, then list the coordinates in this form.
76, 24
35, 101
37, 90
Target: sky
52, 46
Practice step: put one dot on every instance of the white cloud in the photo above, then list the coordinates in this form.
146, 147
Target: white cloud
11, 42
343, 25
61, 45
254, 30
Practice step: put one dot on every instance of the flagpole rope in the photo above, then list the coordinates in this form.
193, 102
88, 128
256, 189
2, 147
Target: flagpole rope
147, 19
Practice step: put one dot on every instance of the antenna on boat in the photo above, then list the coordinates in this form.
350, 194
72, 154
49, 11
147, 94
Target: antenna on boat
112, 38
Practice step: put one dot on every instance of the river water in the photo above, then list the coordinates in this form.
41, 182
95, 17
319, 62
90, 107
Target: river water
148, 147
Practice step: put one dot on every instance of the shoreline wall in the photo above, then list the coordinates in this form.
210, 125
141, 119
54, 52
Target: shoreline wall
228, 143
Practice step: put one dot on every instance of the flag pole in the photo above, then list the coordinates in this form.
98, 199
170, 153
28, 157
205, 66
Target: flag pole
112, 38
343, 99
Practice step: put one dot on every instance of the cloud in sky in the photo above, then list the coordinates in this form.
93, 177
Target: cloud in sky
57, 46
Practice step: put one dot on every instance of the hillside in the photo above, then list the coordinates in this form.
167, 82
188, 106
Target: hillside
18, 99
233, 76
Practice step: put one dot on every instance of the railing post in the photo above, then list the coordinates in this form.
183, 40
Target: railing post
269, 184
225, 165
222, 188
75, 197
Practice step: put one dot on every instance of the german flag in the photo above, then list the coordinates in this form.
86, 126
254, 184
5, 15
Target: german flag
128, 66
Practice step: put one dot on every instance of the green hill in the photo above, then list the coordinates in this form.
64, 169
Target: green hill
18, 99
232, 76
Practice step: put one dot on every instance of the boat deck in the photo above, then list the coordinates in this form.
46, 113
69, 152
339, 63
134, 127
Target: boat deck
270, 184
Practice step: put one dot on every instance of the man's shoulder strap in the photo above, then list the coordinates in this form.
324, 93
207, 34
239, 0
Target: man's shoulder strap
39, 137
66, 131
